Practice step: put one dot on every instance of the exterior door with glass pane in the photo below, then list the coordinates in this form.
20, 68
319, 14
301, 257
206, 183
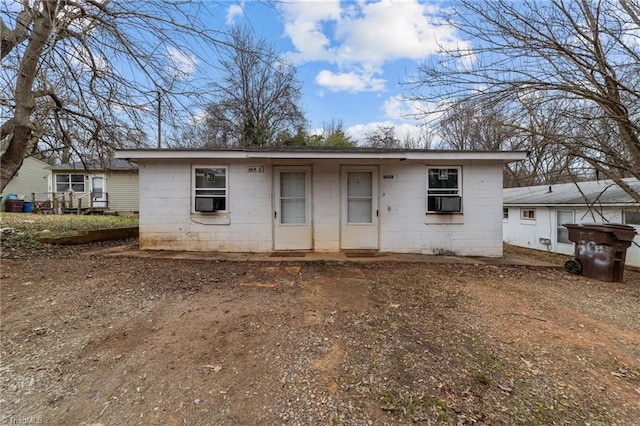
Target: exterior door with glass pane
359, 218
292, 214
98, 191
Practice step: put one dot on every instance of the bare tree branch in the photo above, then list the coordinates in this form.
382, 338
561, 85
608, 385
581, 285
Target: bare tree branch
81, 76
579, 60
257, 99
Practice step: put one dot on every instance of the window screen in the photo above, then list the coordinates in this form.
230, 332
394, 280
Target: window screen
443, 183
210, 183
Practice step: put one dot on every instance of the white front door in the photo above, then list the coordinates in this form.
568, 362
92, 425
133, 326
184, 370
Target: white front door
359, 218
98, 191
292, 216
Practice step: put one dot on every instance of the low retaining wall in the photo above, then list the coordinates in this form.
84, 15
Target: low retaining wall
94, 235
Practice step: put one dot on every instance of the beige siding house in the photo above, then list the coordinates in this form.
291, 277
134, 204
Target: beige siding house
113, 186
323, 200
32, 177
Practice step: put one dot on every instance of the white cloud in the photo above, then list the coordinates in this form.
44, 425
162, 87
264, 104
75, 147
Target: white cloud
366, 34
400, 108
182, 64
197, 117
349, 81
304, 25
233, 11
409, 118
359, 131
389, 30
359, 37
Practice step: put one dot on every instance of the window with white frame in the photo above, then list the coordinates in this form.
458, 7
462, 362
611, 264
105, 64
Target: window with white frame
505, 213
632, 217
444, 190
563, 217
527, 214
210, 189
70, 182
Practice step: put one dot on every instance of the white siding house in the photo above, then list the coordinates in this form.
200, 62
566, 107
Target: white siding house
325, 200
533, 216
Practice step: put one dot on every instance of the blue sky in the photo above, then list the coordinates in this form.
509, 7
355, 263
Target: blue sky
351, 56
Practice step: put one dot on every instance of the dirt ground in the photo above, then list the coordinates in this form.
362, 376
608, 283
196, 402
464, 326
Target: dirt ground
89, 339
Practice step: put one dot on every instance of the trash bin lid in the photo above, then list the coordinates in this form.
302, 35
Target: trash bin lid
620, 231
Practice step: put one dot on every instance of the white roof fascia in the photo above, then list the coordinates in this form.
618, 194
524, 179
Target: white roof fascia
505, 156
592, 205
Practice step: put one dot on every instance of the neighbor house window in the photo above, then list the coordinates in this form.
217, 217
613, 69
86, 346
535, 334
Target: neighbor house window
527, 214
505, 213
563, 217
210, 189
69, 182
632, 217
444, 193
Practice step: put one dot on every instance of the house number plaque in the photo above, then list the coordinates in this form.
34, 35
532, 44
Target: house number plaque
255, 169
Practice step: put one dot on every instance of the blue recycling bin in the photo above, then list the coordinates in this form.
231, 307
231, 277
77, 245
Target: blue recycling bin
26, 207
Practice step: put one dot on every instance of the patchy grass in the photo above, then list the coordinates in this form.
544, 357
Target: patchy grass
19, 229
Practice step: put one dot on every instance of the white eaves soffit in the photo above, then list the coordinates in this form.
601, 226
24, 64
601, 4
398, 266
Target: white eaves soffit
365, 154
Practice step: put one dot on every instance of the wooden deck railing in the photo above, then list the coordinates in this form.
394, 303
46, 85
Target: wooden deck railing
69, 202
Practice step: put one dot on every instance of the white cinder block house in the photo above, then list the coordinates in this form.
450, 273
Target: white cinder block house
321, 199
533, 216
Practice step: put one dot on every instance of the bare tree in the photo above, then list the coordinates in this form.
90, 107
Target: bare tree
578, 58
386, 137
471, 125
84, 77
412, 141
256, 99
382, 137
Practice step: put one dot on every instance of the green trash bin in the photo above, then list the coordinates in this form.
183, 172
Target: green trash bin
600, 249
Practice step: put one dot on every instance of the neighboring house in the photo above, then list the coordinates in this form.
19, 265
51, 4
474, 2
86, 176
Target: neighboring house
322, 199
30, 178
110, 185
534, 215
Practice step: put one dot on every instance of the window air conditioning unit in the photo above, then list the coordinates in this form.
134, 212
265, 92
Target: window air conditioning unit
208, 204
448, 204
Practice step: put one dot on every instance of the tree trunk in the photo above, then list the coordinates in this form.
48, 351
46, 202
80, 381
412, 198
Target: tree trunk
22, 127
14, 155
